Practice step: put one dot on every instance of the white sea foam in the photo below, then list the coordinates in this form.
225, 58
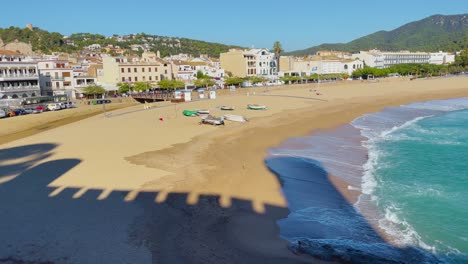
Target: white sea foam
379, 127
336, 155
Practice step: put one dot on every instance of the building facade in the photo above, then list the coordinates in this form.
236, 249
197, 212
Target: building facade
56, 77
384, 59
19, 77
119, 69
253, 62
441, 58
318, 65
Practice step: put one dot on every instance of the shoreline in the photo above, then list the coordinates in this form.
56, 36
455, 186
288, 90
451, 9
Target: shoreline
225, 163
328, 113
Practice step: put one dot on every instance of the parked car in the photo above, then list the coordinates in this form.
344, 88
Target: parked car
2, 113
41, 108
10, 113
69, 104
31, 110
19, 112
54, 106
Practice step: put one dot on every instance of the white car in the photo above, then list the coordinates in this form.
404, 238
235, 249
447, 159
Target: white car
54, 106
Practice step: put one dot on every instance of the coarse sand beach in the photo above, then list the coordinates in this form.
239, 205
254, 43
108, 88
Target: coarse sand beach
153, 186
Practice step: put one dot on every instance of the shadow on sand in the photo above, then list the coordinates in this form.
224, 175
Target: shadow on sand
36, 227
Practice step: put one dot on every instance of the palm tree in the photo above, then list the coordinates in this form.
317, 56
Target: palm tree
277, 49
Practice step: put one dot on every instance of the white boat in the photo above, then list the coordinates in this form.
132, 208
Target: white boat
236, 118
203, 112
227, 108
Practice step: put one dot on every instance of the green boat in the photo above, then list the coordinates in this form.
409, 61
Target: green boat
256, 107
189, 113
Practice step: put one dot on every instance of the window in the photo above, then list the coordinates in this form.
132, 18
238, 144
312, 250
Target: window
129, 79
149, 69
156, 69
165, 71
136, 79
47, 65
156, 78
142, 69
129, 70
122, 70
150, 78
135, 70
144, 78
123, 78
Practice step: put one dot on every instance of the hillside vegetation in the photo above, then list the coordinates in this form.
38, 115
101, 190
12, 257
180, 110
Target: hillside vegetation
438, 32
47, 42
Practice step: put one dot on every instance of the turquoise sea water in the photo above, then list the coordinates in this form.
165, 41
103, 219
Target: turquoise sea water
421, 183
410, 165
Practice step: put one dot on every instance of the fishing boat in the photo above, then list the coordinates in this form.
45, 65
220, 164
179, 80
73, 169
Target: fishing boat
212, 120
190, 113
226, 108
256, 107
236, 118
203, 112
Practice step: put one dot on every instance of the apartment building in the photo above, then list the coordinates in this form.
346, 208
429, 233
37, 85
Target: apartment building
19, 76
119, 69
384, 59
252, 62
56, 77
318, 65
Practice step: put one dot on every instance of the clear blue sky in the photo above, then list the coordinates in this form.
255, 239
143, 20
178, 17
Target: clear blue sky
296, 24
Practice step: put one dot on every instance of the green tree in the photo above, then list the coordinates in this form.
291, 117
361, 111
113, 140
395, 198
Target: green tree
257, 79
124, 87
94, 89
462, 58
171, 84
233, 81
141, 86
277, 49
204, 82
200, 75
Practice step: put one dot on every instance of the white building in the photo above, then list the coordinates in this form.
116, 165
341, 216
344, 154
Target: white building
318, 65
19, 76
56, 77
265, 62
440, 58
384, 59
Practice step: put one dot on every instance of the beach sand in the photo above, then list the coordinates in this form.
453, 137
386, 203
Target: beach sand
203, 193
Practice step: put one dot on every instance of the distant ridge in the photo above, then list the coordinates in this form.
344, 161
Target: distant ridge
437, 32
47, 42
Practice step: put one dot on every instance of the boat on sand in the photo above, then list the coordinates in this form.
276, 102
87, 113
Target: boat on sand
226, 108
236, 118
190, 113
256, 107
212, 120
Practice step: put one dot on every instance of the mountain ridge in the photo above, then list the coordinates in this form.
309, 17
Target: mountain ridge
436, 32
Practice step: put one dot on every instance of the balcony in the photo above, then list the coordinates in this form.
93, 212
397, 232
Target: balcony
18, 77
58, 79
20, 88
